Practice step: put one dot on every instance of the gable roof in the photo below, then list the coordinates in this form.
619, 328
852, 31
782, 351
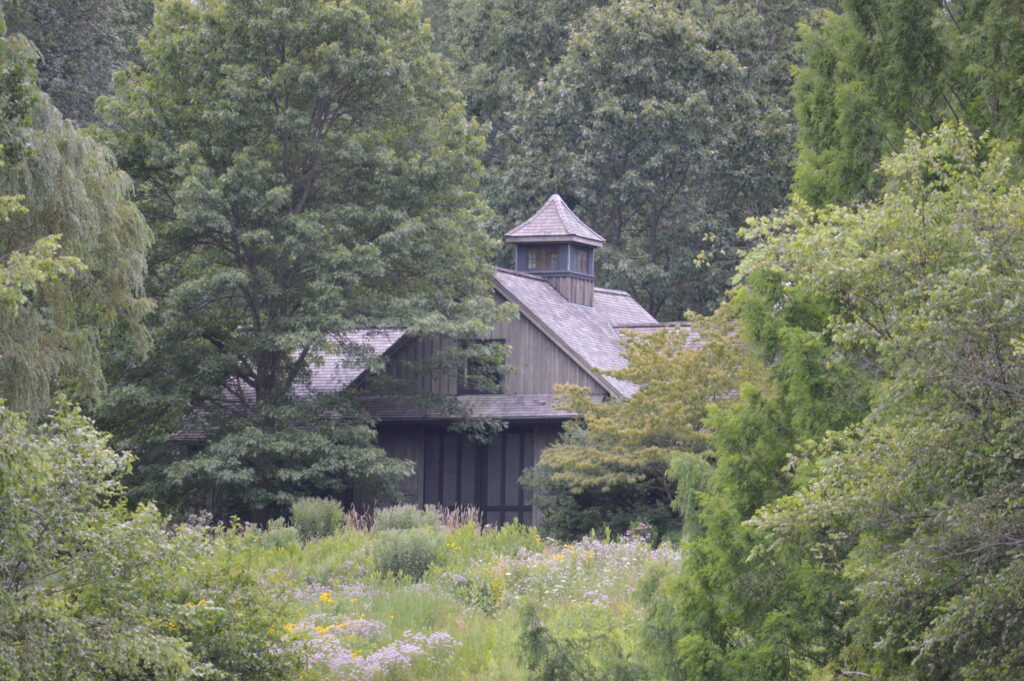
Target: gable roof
554, 222
587, 334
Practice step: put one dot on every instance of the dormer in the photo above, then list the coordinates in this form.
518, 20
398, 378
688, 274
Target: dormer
557, 245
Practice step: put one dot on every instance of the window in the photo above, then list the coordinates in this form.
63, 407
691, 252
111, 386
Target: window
580, 260
542, 259
484, 369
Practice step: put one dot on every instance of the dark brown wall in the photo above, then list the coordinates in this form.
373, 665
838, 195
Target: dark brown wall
452, 470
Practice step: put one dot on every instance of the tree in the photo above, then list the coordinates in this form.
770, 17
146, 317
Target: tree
622, 463
883, 67
309, 171
21, 272
501, 49
734, 610
81, 43
91, 589
69, 214
662, 139
920, 502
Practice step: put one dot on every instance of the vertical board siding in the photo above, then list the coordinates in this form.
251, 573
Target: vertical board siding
575, 289
452, 470
536, 363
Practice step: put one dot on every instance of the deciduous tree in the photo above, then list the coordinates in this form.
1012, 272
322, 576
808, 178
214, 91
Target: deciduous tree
309, 171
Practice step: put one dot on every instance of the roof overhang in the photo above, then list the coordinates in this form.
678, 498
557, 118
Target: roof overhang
555, 239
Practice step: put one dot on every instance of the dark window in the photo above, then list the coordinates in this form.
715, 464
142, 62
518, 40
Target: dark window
542, 259
484, 371
580, 260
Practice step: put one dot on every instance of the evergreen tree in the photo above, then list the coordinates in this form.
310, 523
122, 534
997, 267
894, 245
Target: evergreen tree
734, 610
308, 171
920, 504
883, 67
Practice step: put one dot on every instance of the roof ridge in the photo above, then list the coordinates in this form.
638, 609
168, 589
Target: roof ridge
613, 291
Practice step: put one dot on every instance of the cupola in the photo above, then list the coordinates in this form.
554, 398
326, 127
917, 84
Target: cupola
557, 245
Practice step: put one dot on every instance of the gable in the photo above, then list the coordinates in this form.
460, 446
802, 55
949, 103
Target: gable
536, 362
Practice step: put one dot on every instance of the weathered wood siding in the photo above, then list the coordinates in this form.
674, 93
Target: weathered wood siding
575, 289
452, 470
536, 363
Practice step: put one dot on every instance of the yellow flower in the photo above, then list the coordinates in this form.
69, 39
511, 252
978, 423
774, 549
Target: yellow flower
325, 597
289, 626
353, 600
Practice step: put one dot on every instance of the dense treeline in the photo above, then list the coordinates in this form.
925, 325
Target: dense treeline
840, 461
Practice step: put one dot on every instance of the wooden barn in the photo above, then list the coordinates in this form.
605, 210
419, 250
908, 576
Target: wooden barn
567, 332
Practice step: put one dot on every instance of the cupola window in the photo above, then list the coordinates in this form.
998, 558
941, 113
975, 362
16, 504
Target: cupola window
542, 259
581, 260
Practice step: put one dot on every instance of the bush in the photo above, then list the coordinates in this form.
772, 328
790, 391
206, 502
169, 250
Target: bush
405, 517
314, 517
279, 534
406, 552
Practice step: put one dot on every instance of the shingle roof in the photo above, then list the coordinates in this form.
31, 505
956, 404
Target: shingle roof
339, 369
693, 341
554, 222
587, 332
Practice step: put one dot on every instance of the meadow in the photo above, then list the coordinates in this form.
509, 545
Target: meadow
418, 596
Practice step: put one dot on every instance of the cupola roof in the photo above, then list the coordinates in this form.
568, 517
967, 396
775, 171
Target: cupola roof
554, 223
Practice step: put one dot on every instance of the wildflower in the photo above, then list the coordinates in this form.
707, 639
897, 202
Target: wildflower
289, 627
326, 597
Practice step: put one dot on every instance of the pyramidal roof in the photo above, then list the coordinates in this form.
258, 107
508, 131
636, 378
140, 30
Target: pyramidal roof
554, 222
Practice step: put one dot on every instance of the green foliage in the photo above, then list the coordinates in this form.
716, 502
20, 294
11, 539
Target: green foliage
309, 171
280, 536
883, 67
614, 469
314, 517
918, 504
501, 49
405, 517
72, 250
734, 612
407, 552
91, 589
664, 125
82, 43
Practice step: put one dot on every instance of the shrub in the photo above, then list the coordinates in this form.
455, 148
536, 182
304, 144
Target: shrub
279, 534
406, 552
316, 517
405, 517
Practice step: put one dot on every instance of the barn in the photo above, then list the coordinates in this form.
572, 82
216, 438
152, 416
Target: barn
567, 331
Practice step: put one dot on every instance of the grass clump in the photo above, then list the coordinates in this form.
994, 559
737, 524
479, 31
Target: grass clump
405, 517
406, 552
316, 517
279, 534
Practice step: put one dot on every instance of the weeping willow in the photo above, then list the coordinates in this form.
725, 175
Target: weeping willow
73, 201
